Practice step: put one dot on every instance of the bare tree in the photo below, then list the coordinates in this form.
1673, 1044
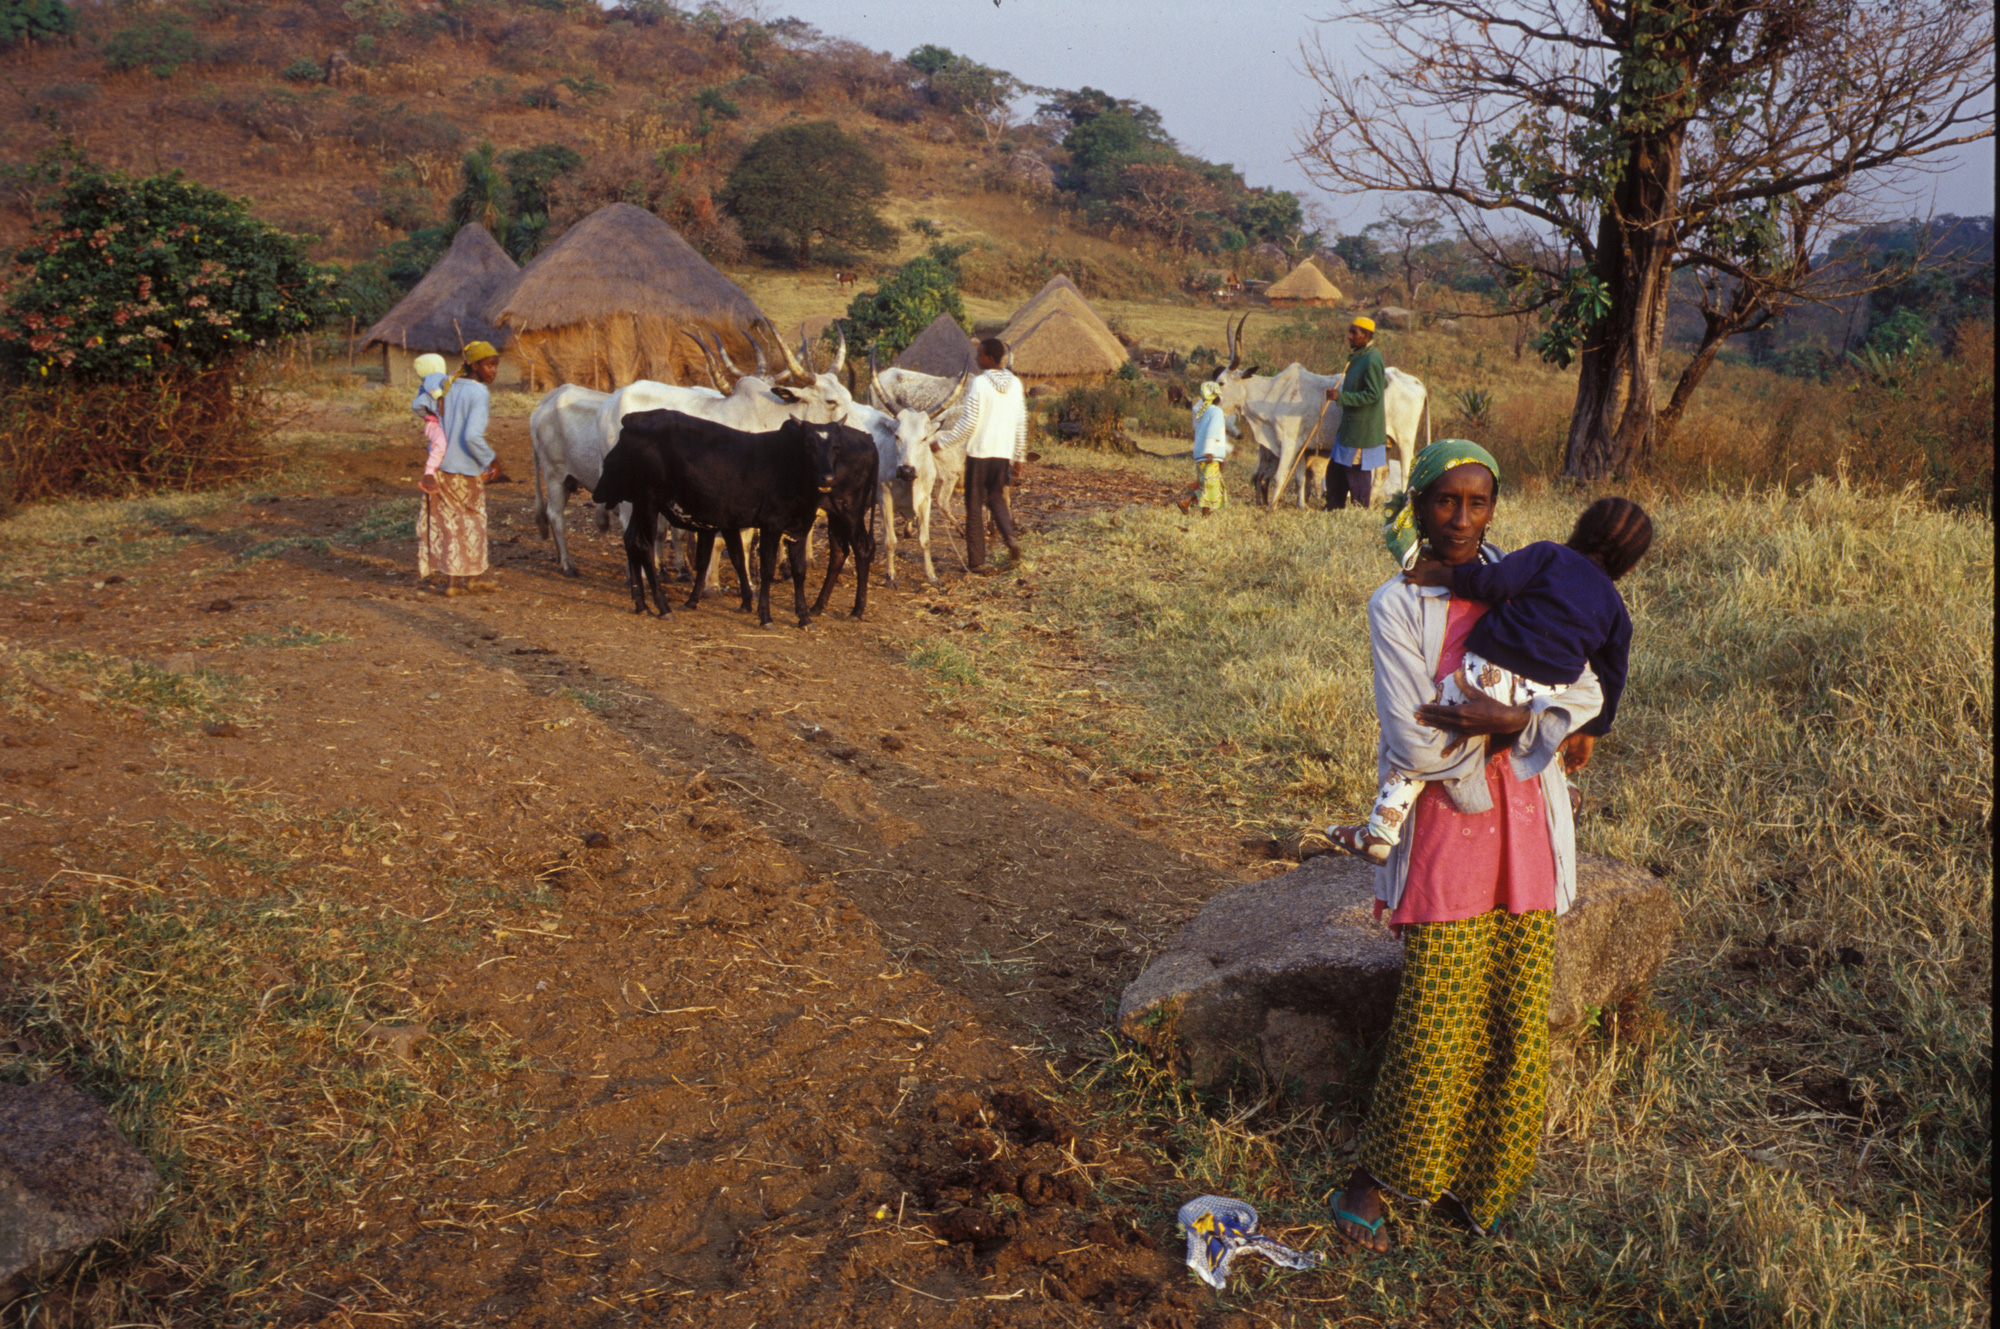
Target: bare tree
1411, 235
1645, 136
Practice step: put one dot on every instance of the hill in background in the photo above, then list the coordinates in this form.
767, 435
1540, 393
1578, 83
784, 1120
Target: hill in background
359, 124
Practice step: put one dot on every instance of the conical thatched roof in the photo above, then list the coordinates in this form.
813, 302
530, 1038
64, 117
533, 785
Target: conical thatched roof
448, 308
1061, 343
942, 349
1041, 302
607, 304
1305, 282
621, 259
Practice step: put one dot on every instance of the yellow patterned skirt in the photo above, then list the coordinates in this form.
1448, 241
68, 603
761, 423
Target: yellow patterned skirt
1459, 1101
1210, 478
451, 528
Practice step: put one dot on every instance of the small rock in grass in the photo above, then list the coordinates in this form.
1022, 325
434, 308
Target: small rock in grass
596, 840
400, 1040
221, 729
113, 580
219, 606
892, 743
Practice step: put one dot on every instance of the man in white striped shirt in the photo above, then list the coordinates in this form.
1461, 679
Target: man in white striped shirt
994, 424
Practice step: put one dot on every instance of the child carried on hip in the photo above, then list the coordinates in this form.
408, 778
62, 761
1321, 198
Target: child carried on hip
1554, 609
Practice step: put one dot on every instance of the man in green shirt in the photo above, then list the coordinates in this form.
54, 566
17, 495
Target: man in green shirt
1362, 444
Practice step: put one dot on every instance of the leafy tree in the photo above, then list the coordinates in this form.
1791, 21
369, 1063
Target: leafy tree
1358, 252
134, 277
510, 195
896, 313
968, 87
159, 45
34, 20
1726, 139
801, 182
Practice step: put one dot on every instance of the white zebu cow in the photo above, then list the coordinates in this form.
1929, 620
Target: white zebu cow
906, 467
900, 390
1283, 413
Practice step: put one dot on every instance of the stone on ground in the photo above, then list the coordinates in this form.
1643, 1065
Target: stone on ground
67, 1178
1280, 984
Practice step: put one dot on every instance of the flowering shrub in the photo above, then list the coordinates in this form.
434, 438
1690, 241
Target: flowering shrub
138, 277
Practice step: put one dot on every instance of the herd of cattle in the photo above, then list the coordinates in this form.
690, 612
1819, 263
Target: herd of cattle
765, 456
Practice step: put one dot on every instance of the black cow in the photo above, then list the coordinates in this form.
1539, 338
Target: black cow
710, 479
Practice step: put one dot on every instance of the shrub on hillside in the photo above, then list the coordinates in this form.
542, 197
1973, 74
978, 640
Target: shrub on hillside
305, 69
159, 45
34, 21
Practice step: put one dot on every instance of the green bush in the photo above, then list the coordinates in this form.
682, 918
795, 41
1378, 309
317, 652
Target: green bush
159, 45
305, 69
137, 276
896, 313
34, 20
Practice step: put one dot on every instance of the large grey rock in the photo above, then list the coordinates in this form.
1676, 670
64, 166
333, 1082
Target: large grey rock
1281, 982
67, 1177
1393, 316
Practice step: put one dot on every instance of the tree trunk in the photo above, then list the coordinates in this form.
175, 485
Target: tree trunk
1611, 432
805, 249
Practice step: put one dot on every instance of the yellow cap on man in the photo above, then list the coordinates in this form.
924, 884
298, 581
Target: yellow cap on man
479, 350
1365, 324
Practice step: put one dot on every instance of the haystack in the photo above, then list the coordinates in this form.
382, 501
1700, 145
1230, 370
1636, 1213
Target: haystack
447, 309
606, 305
1306, 285
942, 349
1063, 345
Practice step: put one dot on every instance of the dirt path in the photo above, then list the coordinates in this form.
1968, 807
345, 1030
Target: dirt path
788, 952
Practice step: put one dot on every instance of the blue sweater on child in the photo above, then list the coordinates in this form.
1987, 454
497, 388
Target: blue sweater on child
1552, 612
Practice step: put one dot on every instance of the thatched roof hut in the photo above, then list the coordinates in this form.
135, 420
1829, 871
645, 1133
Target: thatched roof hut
1061, 344
1056, 334
447, 309
606, 305
942, 349
1306, 285
1053, 290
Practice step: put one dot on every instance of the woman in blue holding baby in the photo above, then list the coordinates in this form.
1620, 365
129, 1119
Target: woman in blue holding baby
451, 527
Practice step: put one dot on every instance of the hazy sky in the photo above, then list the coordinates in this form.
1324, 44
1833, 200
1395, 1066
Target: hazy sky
1227, 78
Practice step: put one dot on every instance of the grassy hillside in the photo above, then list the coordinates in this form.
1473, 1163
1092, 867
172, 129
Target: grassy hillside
239, 96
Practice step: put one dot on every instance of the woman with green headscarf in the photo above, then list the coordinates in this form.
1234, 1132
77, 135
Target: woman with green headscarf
1486, 862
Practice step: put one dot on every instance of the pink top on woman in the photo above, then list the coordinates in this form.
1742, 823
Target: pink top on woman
1466, 864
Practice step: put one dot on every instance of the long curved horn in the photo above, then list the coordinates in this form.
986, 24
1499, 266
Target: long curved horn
840, 351
951, 401
877, 389
714, 377
722, 353
805, 349
1241, 324
1229, 339
796, 371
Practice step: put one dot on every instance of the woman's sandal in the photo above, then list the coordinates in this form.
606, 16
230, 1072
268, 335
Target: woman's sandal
1342, 1216
1354, 840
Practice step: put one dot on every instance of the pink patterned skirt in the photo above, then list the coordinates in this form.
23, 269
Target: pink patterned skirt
451, 527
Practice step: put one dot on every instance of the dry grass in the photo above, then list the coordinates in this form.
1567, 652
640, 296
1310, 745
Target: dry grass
1805, 749
263, 1052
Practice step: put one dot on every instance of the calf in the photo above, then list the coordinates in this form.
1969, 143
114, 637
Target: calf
711, 479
